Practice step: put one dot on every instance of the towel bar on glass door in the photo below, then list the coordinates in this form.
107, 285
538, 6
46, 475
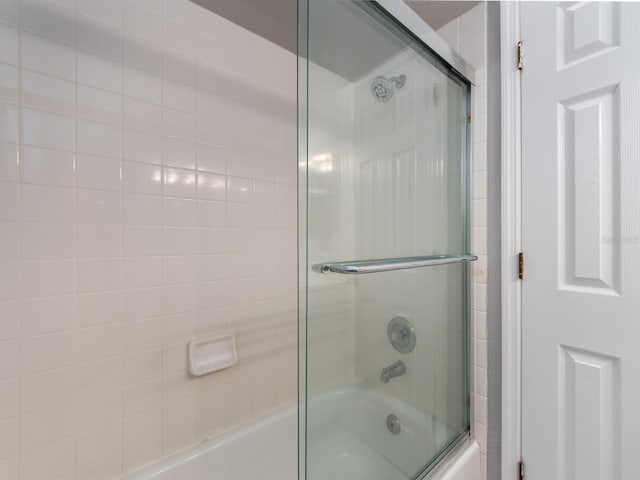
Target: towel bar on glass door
360, 267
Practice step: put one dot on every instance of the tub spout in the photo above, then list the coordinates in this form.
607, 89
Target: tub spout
394, 370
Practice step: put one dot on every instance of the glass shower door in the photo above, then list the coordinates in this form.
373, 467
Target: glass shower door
385, 251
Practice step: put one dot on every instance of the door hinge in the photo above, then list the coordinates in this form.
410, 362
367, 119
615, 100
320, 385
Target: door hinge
521, 470
469, 117
520, 265
520, 55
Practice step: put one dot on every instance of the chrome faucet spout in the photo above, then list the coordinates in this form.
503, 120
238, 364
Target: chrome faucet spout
394, 370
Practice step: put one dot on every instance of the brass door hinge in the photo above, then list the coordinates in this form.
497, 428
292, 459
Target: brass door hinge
521, 470
469, 117
520, 265
520, 55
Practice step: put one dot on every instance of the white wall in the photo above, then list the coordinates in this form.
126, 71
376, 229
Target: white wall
467, 35
147, 198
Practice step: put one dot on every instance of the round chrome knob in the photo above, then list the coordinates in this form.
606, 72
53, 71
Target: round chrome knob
401, 334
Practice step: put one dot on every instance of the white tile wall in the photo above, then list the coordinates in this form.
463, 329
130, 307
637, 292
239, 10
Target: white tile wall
147, 197
467, 34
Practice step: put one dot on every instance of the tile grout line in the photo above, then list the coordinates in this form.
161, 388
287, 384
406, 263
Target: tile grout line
197, 221
122, 251
20, 293
162, 229
75, 238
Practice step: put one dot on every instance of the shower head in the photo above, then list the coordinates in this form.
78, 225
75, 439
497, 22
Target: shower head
383, 88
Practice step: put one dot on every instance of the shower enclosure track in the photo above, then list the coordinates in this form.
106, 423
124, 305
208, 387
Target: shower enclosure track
360, 267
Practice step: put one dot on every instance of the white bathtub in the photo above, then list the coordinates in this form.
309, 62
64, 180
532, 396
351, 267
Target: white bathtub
348, 438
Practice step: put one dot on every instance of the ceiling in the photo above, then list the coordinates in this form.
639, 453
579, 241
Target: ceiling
439, 13
276, 20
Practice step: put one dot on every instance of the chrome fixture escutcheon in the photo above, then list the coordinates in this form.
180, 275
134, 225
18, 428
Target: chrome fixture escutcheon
393, 424
401, 334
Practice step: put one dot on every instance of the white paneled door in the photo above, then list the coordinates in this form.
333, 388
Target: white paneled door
581, 239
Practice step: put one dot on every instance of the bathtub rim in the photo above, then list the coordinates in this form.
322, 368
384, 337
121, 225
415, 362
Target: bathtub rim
436, 469
442, 466
169, 462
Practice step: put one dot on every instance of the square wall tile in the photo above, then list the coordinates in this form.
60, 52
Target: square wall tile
44, 352
47, 167
44, 129
46, 56
99, 72
45, 92
46, 278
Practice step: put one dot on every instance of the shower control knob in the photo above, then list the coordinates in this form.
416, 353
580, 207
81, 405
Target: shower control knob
401, 334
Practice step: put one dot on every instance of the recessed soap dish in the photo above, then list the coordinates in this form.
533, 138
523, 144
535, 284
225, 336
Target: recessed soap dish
209, 355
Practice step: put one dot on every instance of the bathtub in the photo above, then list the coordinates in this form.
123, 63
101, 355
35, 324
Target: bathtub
347, 438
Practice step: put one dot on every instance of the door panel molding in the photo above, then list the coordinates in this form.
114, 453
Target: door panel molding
589, 388
588, 139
